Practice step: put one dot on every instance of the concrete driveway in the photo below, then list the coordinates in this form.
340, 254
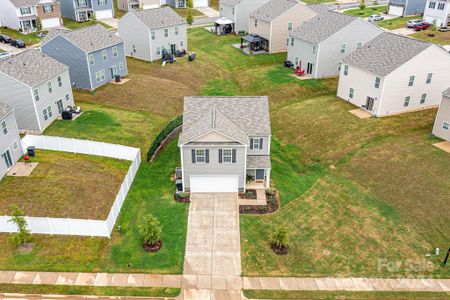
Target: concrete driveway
209, 12
212, 266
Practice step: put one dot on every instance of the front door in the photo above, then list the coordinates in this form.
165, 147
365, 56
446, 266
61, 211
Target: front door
309, 68
113, 72
369, 103
173, 49
259, 175
7, 159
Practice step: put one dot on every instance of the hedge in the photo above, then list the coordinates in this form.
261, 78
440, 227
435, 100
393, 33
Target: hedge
163, 134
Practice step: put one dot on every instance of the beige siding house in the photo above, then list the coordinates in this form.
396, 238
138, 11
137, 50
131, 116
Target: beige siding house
442, 124
394, 74
276, 19
127, 5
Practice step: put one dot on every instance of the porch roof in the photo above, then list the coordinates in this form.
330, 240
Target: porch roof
253, 38
258, 162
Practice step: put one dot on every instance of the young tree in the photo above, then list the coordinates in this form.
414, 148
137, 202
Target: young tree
433, 25
23, 236
189, 18
189, 4
280, 238
151, 230
362, 4
38, 24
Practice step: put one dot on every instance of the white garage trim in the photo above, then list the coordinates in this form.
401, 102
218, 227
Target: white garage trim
214, 183
200, 3
50, 23
103, 14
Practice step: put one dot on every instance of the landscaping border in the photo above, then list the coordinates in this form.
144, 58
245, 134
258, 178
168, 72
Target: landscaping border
169, 131
81, 227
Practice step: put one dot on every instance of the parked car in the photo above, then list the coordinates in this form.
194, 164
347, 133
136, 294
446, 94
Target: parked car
5, 55
422, 26
376, 17
412, 23
5, 39
18, 43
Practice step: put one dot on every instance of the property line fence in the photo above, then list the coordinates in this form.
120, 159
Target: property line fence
79, 227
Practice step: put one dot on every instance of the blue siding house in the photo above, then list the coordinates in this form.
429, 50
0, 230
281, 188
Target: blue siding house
94, 55
84, 10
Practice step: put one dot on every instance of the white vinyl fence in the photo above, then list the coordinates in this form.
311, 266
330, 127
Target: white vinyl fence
80, 227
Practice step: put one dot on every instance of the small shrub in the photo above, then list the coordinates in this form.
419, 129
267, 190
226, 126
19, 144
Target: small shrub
23, 235
270, 192
189, 17
280, 238
362, 4
249, 178
150, 230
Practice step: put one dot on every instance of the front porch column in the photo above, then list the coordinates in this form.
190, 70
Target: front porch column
267, 178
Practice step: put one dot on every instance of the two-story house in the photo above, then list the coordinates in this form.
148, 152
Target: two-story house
274, 21
94, 55
127, 5
37, 87
442, 123
437, 11
183, 3
24, 15
225, 142
403, 8
84, 10
394, 74
148, 33
319, 44
238, 12
10, 145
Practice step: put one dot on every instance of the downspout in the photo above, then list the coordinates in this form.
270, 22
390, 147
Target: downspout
316, 68
89, 71
182, 167
381, 97
245, 168
35, 110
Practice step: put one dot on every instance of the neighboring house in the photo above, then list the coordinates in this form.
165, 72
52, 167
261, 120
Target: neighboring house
24, 15
84, 10
10, 145
182, 3
276, 19
37, 87
442, 124
94, 55
128, 5
403, 8
319, 45
224, 142
238, 12
437, 11
394, 74
148, 33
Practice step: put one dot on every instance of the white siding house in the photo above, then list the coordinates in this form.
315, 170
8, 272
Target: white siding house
437, 11
442, 124
148, 33
394, 74
238, 11
10, 145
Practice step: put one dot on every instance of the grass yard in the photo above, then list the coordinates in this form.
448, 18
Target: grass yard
396, 23
117, 12
366, 12
29, 39
73, 25
65, 185
441, 38
214, 4
183, 12
285, 295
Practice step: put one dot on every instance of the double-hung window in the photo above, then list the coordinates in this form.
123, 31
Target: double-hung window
200, 156
36, 95
359, 45
256, 23
4, 128
411, 80
158, 50
25, 10
441, 6
91, 59
429, 77
227, 155
176, 30
166, 32
432, 5
49, 87
114, 50
48, 8
377, 82
314, 49
59, 81
100, 75
343, 48
446, 125
351, 93
406, 103
47, 113
423, 98
153, 35
67, 97
290, 26
104, 55
101, 2
292, 41
345, 70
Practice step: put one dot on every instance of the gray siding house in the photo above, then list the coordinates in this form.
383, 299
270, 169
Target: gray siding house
94, 54
182, 3
404, 8
10, 145
84, 10
318, 45
442, 124
37, 87
224, 142
238, 11
148, 33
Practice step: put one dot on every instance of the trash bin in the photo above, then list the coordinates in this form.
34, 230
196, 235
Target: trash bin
66, 115
192, 56
179, 184
31, 151
117, 78
178, 172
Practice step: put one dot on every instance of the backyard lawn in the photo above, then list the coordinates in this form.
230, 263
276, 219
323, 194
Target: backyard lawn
396, 23
352, 191
28, 39
59, 187
311, 295
366, 12
71, 24
441, 38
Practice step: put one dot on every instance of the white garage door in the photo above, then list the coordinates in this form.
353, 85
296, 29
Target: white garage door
50, 23
103, 14
214, 184
200, 3
396, 10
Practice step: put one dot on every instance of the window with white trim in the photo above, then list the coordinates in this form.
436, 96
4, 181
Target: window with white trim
4, 128
48, 8
181, 44
200, 156
314, 49
101, 2
153, 33
256, 23
91, 59
120, 66
100, 75
343, 48
25, 11
158, 50
115, 52
290, 26
432, 5
429, 77
441, 6
407, 100
104, 55
133, 47
351, 93
47, 113
256, 143
49, 87
227, 155
36, 95
67, 97
377, 82
166, 32
423, 98
446, 125
359, 45
176, 30
292, 41
345, 70
59, 81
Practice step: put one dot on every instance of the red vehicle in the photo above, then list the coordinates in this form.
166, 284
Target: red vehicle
421, 26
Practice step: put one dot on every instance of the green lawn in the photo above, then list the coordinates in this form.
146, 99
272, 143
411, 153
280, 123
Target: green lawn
71, 24
441, 38
285, 295
396, 23
29, 39
214, 4
369, 10
183, 12
117, 12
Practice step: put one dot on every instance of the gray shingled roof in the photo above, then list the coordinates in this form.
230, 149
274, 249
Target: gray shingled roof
446, 92
31, 67
159, 17
273, 9
89, 39
322, 26
231, 2
319, 7
258, 161
397, 2
22, 3
235, 117
4, 110
385, 53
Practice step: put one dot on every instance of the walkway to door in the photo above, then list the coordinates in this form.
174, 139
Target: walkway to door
212, 265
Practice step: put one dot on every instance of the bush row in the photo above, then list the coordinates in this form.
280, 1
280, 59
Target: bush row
163, 134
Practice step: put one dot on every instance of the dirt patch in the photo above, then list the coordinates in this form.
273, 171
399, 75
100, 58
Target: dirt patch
153, 247
25, 248
280, 250
182, 198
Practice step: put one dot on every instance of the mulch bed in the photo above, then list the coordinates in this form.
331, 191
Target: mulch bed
273, 203
249, 194
280, 250
153, 247
182, 198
